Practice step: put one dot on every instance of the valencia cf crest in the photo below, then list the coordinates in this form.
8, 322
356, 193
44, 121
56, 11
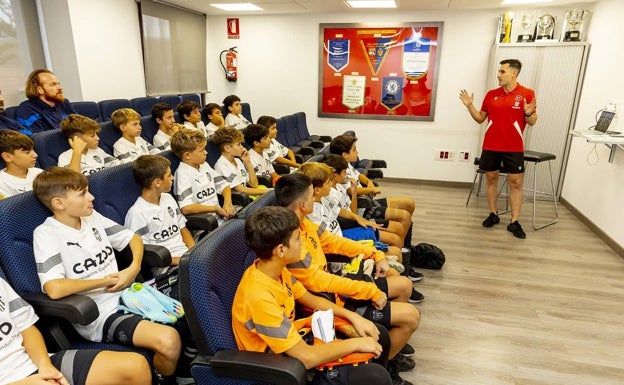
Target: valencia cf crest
97, 159
96, 234
170, 211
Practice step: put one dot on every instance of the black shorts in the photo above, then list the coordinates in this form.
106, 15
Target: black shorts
366, 309
74, 364
507, 162
375, 212
120, 327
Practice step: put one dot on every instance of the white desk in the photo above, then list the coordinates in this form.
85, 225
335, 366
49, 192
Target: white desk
613, 142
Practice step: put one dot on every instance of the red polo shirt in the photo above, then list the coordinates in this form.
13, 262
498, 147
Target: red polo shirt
506, 120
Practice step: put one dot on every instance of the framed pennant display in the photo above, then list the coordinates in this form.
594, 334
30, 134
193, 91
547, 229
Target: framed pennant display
379, 71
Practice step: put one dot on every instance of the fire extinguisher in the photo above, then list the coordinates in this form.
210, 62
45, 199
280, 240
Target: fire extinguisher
230, 67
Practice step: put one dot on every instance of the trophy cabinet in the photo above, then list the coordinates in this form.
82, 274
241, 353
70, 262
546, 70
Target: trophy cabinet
555, 71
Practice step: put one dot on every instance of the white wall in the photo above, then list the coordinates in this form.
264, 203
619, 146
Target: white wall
108, 48
278, 75
596, 190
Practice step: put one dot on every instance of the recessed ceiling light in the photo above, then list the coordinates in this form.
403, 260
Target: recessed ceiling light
237, 7
371, 3
511, 2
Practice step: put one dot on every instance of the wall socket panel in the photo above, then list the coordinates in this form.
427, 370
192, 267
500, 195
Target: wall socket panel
444, 155
611, 107
464, 156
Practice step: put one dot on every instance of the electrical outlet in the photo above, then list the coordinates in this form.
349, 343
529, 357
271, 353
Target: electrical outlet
443, 154
464, 156
611, 107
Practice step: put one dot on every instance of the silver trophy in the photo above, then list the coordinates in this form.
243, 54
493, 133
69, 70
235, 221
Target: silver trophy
545, 27
574, 20
526, 21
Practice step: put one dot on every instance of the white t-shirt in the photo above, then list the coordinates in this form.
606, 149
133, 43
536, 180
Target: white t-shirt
211, 128
64, 252
11, 185
126, 151
94, 160
159, 225
162, 141
276, 150
235, 175
352, 173
198, 186
237, 121
200, 126
261, 163
16, 315
339, 196
325, 214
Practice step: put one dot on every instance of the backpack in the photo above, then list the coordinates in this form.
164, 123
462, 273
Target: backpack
426, 256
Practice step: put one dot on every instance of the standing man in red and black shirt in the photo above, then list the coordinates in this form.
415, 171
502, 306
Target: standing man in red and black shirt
508, 108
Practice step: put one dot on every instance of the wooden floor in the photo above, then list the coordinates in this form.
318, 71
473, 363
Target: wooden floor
548, 309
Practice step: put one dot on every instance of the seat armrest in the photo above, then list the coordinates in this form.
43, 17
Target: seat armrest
265, 180
372, 173
240, 199
305, 151
266, 367
156, 256
317, 144
379, 163
325, 138
76, 308
203, 221
299, 158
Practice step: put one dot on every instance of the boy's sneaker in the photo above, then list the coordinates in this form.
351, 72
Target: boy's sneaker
516, 230
413, 275
491, 220
393, 370
416, 297
407, 351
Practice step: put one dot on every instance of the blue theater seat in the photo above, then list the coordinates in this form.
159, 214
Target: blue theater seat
88, 109
107, 107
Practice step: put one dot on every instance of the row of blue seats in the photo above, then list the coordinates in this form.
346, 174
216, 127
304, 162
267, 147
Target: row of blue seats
102, 110
219, 259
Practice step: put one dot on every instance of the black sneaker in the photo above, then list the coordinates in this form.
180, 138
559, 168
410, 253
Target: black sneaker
491, 220
393, 370
413, 275
416, 297
516, 230
407, 351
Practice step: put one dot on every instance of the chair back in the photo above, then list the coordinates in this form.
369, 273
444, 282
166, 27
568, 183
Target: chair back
88, 109
174, 100
265, 200
149, 128
115, 191
107, 107
143, 105
209, 276
194, 98
48, 146
108, 136
19, 216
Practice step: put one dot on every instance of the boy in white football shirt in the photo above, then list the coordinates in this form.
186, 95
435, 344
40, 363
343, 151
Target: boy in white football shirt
189, 111
25, 359
130, 146
215, 116
235, 117
277, 152
155, 216
234, 164
84, 156
74, 254
196, 184
257, 138
18, 152
162, 113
